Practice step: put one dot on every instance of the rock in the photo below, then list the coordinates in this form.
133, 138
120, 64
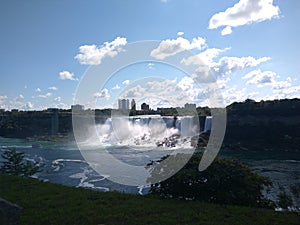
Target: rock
9, 213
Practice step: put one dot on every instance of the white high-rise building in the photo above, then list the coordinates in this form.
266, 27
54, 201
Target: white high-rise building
123, 103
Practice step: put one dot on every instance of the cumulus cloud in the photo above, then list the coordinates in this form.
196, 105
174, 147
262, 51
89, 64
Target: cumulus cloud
244, 12
180, 33
3, 97
102, 94
203, 74
135, 92
206, 57
222, 83
288, 92
268, 78
116, 87
93, 55
53, 88
66, 75
258, 77
234, 94
21, 96
47, 95
28, 105
2, 100
171, 47
186, 83
38, 90
228, 65
57, 99
227, 30
126, 82
279, 85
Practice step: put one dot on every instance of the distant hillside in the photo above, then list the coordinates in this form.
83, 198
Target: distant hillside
265, 125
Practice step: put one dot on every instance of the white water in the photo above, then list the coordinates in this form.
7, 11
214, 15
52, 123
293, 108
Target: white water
146, 131
207, 126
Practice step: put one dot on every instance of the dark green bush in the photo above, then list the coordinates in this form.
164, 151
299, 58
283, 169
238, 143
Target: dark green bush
15, 164
225, 181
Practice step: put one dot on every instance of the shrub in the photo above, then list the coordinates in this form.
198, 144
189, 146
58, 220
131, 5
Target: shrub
225, 181
284, 200
15, 164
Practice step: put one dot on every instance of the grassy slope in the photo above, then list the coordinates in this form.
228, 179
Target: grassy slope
46, 203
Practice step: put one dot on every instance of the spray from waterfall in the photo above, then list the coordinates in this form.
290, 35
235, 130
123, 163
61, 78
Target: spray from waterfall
148, 131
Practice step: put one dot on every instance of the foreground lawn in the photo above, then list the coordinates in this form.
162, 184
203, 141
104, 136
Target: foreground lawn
46, 203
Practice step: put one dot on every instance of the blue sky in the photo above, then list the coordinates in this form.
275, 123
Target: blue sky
251, 46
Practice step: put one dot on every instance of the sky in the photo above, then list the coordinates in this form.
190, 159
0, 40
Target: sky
250, 47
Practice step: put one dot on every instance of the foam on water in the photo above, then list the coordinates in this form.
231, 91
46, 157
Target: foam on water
85, 182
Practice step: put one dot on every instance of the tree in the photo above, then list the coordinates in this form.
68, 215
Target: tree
225, 181
15, 164
284, 200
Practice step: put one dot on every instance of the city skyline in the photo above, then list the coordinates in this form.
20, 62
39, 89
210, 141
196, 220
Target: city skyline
249, 45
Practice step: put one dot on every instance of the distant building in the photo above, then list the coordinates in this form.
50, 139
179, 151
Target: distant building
77, 107
144, 106
2, 110
190, 106
123, 103
133, 105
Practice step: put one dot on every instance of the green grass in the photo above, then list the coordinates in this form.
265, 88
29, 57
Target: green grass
47, 203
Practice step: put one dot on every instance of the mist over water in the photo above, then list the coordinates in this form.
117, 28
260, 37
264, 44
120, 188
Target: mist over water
146, 131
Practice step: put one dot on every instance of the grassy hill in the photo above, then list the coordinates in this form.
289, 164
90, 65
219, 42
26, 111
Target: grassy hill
47, 203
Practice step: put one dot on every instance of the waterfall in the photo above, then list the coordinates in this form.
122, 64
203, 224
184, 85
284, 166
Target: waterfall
207, 126
148, 130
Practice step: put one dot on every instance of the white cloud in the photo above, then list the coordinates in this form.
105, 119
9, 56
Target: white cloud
186, 83
222, 83
206, 57
116, 87
258, 77
126, 82
203, 74
288, 92
38, 90
21, 96
227, 30
47, 95
281, 85
228, 65
17, 103
66, 75
135, 92
3, 97
2, 100
102, 94
234, 95
244, 12
28, 105
93, 55
180, 33
57, 99
263, 78
53, 88
171, 47
150, 65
